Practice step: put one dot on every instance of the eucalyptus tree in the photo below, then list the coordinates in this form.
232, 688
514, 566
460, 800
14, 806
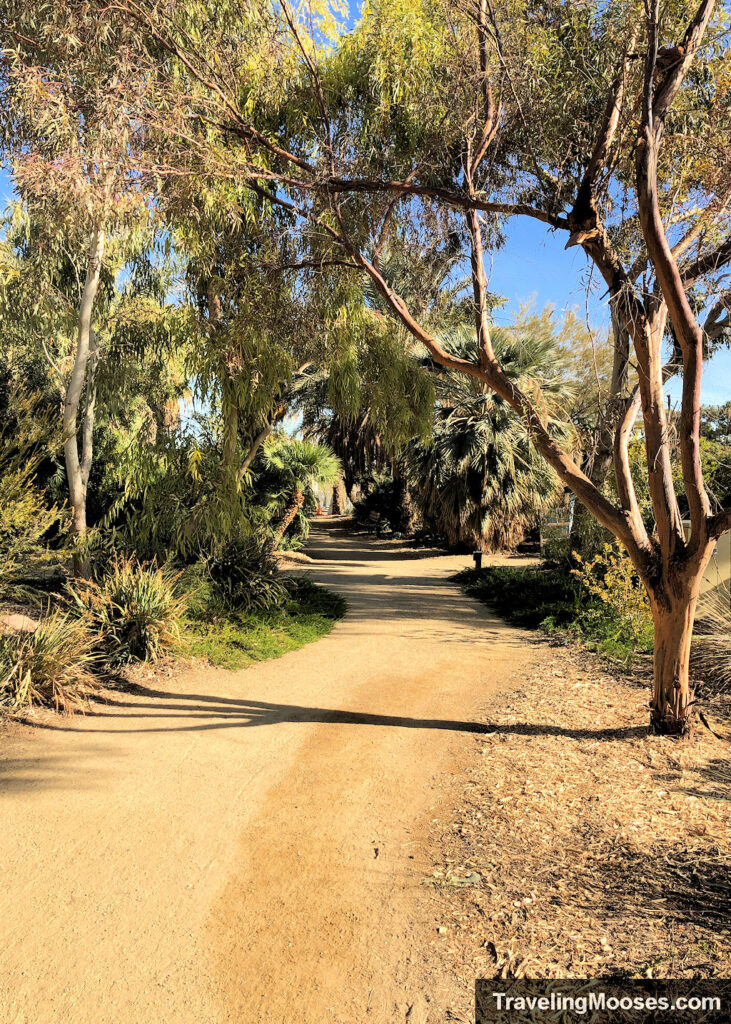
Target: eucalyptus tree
70, 134
132, 394
604, 121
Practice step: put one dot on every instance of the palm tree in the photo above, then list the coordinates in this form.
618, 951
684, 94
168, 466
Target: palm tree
478, 479
355, 439
301, 465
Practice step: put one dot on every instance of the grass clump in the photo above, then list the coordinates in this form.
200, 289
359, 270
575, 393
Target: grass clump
232, 613
134, 612
600, 603
52, 666
710, 652
233, 639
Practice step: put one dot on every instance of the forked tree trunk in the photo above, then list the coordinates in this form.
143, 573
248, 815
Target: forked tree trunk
673, 605
298, 500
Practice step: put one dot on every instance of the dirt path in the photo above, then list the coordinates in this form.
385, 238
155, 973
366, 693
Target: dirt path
249, 846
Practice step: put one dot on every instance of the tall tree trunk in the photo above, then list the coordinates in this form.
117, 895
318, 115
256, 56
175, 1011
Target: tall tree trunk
298, 500
87, 429
340, 499
404, 501
673, 601
255, 446
78, 469
229, 405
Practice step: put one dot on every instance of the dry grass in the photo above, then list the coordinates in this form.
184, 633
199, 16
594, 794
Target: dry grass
600, 849
48, 666
711, 650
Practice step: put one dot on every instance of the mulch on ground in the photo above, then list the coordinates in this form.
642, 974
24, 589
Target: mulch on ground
586, 846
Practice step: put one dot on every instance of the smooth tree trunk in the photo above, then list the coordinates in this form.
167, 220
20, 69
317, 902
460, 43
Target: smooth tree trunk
671, 695
673, 602
83, 373
87, 427
255, 446
298, 500
229, 406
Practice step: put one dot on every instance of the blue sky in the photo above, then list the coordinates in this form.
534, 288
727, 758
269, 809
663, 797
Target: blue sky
6, 190
535, 267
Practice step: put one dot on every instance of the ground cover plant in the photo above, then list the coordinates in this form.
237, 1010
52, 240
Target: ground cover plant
135, 610
600, 602
233, 638
53, 665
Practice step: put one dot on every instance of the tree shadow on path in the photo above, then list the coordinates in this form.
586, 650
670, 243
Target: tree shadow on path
201, 712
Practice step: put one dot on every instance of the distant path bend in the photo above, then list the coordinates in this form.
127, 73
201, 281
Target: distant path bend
250, 846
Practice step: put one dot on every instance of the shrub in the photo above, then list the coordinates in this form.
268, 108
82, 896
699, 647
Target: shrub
526, 596
50, 666
602, 603
611, 577
245, 576
135, 610
556, 545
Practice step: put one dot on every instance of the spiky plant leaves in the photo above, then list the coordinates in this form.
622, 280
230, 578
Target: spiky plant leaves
52, 666
134, 611
245, 577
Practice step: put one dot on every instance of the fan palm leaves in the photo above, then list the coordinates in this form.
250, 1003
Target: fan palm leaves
478, 479
299, 465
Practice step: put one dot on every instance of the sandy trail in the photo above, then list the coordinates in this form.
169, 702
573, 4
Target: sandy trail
249, 846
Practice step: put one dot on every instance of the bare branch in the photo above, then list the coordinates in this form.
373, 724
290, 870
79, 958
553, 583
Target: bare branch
706, 263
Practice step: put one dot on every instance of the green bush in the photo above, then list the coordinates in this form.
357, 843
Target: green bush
134, 610
528, 595
51, 666
245, 577
603, 604
556, 545
611, 578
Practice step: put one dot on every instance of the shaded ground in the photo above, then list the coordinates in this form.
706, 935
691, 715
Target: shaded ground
250, 846
589, 847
